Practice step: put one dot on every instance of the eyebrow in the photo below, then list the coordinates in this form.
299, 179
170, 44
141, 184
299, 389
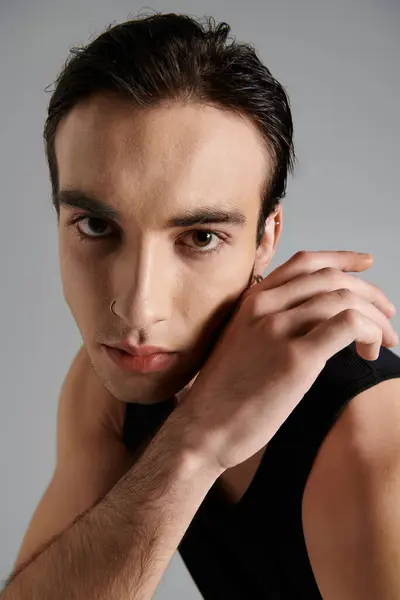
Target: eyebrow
197, 216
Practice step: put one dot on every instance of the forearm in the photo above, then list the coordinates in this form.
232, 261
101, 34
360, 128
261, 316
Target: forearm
120, 548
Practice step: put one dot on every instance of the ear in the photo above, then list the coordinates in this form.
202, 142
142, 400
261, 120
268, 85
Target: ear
266, 249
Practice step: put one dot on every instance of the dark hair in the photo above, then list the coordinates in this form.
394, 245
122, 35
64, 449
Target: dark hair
175, 57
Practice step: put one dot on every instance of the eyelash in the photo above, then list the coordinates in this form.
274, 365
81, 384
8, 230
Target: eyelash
86, 238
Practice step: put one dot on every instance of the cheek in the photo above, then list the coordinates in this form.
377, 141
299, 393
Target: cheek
210, 297
225, 278
84, 286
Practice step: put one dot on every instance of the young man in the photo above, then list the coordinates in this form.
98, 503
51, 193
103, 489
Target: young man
208, 410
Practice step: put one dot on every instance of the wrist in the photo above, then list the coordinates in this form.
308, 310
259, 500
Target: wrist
189, 444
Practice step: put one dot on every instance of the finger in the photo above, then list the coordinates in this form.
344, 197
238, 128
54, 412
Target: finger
303, 288
298, 321
331, 336
305, 262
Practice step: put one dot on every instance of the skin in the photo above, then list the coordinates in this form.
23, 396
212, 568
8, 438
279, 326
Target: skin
152, 165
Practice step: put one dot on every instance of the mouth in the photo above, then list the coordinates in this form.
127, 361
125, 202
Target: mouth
139, 350
140, 363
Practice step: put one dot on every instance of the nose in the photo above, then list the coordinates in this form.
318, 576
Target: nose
143, 290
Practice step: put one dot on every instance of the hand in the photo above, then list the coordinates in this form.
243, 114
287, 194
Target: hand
279, 339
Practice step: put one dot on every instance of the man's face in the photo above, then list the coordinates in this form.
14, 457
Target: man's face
173, 284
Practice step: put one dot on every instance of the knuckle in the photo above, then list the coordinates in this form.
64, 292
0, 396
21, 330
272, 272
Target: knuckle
344, 294
336, 277
329, 272
274, 325
260, 304
302, 256
350, 317
251, 305
293, 355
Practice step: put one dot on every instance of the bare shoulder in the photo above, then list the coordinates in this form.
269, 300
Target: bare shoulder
351, 495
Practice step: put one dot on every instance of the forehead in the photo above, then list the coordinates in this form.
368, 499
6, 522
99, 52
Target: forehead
106, 146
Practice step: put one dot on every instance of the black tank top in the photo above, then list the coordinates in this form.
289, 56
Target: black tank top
256, 547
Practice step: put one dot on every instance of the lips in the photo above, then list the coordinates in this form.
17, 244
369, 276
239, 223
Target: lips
140, 363
140, 350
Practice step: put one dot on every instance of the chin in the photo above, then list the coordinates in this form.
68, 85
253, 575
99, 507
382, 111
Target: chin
149, 388
140, 390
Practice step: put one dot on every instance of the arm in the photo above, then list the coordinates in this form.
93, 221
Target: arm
351, 506
121, 547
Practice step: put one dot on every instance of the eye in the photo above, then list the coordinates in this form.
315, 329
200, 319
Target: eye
96, 224
204, 244
203, 237
206, 241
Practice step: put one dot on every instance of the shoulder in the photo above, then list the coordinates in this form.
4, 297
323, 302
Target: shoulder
364, 401
353, 476
370, 424
365, 436
366, 398
353, 485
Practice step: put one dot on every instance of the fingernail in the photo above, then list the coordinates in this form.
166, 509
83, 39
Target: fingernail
393, 308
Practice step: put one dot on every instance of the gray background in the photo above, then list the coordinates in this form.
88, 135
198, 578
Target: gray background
339, 61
